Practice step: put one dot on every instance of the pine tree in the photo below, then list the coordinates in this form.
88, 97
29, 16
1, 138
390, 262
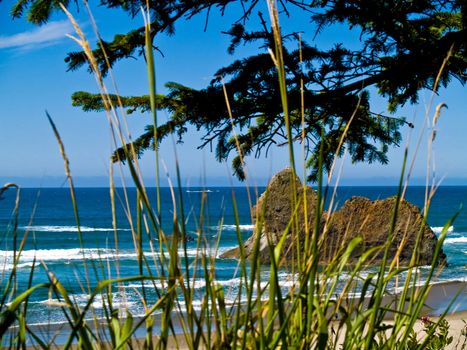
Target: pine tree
404, 43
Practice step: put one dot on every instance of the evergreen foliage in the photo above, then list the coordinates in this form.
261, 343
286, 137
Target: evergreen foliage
403, 45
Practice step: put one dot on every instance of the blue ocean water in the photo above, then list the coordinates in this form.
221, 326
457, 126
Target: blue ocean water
46, 216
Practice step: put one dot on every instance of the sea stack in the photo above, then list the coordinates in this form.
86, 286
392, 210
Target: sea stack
275, 207
358, 216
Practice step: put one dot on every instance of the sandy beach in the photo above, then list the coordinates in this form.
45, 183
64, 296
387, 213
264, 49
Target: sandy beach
439, 298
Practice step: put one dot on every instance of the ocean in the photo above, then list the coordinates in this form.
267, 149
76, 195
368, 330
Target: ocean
47, 216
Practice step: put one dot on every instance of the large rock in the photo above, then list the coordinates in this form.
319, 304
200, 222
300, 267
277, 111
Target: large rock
275, 207
372, 220
358, 216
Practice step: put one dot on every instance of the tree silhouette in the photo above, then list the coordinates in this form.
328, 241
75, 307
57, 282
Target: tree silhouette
403, 46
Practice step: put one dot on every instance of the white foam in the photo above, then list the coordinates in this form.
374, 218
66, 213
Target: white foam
455, 240
195, 252
24, 265
122, 305
196, 284
50, 303
158, 284
119, 301
201, 283
439, 229
230, 282
199, 191
8, 265
286, 281
58, 254
52, 228
64, 256
234, 227
72, 254
195, 304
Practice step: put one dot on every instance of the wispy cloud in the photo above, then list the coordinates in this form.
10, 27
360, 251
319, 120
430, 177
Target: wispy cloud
45, 35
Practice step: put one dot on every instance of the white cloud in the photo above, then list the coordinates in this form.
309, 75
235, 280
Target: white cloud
45, 35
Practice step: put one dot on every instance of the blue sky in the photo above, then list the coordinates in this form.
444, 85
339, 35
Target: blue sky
34, 79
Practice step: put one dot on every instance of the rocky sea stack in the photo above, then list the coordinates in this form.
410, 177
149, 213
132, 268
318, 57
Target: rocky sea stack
358, 216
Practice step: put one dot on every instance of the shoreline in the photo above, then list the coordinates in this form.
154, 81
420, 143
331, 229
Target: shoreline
439, 297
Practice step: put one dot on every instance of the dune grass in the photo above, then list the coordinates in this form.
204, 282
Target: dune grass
313, 313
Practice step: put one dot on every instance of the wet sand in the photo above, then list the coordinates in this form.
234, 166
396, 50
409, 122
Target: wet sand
441, 296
